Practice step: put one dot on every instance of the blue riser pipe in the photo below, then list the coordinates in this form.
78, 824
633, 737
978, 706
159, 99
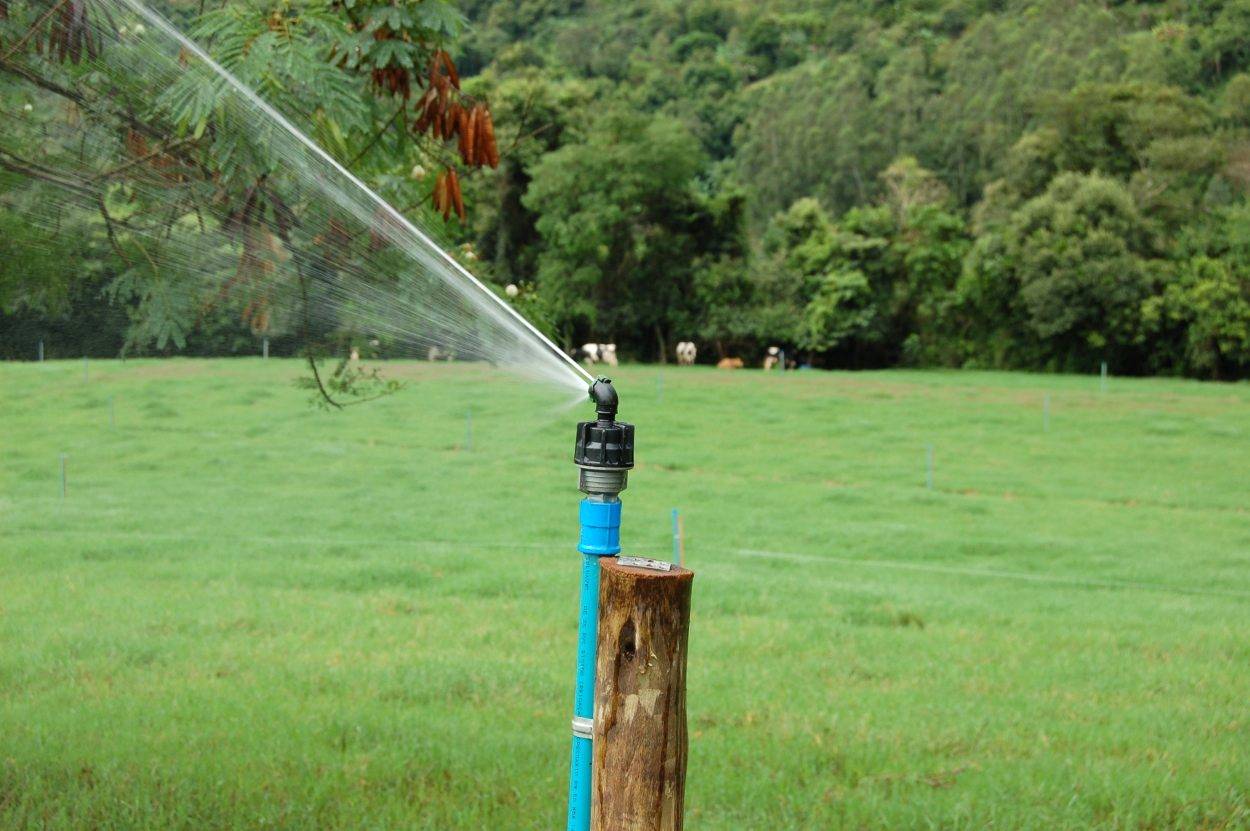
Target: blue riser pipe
600, 537
584, 695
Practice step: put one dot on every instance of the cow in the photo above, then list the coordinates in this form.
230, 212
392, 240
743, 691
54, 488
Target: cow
729, 363
435, 353
599, 353
773, 358
686, 353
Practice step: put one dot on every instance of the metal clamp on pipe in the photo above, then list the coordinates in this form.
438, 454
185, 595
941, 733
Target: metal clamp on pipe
583, 728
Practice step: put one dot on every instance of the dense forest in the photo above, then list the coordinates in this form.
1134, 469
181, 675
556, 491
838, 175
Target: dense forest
1040, 184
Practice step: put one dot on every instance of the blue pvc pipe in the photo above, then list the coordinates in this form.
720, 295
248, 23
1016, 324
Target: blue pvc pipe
600, 537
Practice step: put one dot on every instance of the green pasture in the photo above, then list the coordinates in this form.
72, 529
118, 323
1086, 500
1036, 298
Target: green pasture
248, 613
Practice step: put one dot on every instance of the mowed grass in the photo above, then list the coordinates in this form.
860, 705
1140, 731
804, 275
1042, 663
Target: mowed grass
249, 613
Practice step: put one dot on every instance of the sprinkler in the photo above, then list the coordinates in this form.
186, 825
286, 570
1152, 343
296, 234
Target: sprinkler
604, 453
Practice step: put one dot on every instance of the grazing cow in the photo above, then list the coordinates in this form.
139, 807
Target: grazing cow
596, 353
686, 353
729, 363
773, 357
436, 354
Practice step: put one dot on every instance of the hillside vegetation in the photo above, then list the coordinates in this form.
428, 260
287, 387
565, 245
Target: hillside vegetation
1023, 184
1043, 184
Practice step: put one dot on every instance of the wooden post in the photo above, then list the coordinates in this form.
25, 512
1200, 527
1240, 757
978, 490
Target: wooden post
639, 770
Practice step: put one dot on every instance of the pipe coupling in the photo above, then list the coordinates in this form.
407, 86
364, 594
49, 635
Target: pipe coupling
608, 481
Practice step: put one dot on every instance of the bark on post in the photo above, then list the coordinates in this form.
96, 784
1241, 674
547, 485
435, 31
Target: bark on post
639, 770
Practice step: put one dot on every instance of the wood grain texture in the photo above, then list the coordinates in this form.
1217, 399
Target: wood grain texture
639, 773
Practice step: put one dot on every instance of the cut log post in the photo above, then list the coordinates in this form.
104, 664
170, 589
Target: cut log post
639, 770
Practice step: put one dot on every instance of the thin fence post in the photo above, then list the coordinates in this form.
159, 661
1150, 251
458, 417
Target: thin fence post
264, 348
1102, 378
679, 540
640, 739
41, 350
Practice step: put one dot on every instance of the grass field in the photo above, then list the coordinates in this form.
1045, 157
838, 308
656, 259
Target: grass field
248, 613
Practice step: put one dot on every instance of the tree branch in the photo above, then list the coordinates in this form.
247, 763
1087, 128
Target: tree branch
129, 119
16, 164
312, 364
108, 227
403, 106
163, 151
34, 28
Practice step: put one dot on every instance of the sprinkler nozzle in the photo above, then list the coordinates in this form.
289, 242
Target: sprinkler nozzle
605, 445
606, 400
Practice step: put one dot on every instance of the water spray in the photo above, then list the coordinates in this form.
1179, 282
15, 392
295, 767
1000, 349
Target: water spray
604, 454
479, 295
291, 240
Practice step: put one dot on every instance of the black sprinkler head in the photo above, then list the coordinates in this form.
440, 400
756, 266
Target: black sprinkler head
605, 443
606, 400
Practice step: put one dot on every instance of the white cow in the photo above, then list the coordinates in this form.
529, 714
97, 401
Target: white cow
773, 357
435, 353
686, 353
599, 353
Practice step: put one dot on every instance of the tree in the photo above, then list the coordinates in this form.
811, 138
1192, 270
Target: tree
189, 190
537, 116
1156, 138
623, 227
1069, 269
873, 285
908, 187
998, 72
1206, 309
811, 132
158, 150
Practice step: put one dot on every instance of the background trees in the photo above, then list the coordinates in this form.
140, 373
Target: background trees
623, 227
1065, 274
1028, 183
